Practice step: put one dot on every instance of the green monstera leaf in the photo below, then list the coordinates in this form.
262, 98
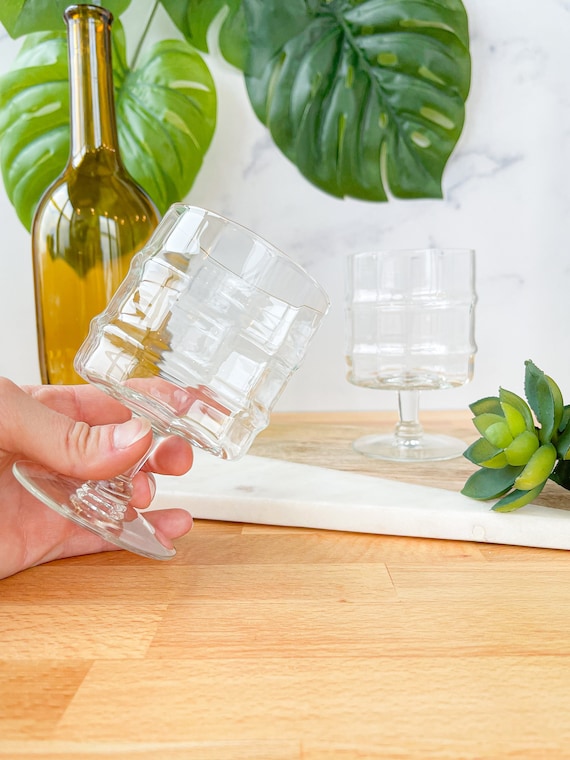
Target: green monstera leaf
21, 17
366, 97
194, 18
166, 116
34, 121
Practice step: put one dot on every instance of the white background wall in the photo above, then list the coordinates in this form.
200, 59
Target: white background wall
506, 194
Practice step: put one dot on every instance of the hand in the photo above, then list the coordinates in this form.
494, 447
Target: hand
83, 433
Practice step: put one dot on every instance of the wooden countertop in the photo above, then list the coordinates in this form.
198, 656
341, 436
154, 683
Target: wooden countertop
262, 643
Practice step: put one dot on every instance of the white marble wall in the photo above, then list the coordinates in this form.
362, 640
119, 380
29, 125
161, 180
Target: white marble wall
507, 195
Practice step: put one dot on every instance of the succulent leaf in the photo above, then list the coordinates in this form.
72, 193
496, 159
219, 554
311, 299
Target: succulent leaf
538, 468
515, 420
565, 418
487, 405
563, 443
496, 462
561, 474
541, 397
499, 435
531, 377
480, 451
558, 403
513, 400
522, 448
490, 484
517, 499
485, 420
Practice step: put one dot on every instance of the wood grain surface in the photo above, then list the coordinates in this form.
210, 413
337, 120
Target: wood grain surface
266, 643
325, 440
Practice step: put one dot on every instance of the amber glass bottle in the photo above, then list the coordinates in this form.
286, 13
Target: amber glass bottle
94, 217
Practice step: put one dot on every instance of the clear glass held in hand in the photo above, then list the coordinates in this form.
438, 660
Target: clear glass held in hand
200, 338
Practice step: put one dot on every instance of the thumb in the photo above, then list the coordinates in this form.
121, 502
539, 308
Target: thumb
30, 429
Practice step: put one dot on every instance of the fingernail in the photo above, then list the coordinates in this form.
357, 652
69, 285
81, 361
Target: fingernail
130, 432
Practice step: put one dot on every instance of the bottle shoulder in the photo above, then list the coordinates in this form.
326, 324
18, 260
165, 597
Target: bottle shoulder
77, 196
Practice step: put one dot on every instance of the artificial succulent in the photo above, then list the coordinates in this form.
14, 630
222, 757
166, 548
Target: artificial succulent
518, 452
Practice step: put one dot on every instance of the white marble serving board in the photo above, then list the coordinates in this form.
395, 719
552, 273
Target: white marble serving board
274, 492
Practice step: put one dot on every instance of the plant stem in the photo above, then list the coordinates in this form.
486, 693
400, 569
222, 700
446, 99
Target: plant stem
144, 34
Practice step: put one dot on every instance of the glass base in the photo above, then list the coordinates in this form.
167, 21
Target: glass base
128, 530
428, 448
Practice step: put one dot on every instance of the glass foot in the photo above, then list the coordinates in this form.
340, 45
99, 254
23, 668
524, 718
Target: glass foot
428, 448
127, 529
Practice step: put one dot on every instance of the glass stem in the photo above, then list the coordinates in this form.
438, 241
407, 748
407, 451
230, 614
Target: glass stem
408, 432
109, 499
132, 471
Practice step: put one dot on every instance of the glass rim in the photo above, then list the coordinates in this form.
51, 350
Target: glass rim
278, 251
372, 252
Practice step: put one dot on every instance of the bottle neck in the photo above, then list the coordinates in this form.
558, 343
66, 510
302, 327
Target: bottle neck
92, 103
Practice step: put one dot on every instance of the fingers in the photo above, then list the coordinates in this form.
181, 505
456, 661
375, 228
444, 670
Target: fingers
170, 523
80, 402
54, 425
174, 456
85, 402
33, 430
144, 489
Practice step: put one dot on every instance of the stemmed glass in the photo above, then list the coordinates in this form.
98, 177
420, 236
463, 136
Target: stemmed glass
201, 338
410, 328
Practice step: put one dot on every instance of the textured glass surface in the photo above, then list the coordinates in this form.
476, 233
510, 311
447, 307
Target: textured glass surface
410, 319
205, 331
